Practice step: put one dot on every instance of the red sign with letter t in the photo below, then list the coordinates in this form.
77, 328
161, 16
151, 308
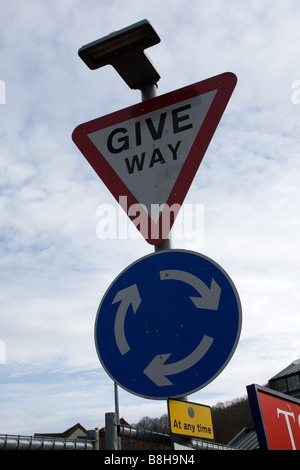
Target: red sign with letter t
276, 418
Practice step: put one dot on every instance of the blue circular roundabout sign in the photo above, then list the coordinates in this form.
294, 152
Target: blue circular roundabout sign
168, 324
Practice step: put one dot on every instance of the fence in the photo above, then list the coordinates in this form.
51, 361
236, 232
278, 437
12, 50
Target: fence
114, 437
124, 437
142, 439
12, 442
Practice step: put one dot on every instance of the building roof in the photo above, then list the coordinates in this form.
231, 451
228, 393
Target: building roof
291, 369
246, 439
64, 434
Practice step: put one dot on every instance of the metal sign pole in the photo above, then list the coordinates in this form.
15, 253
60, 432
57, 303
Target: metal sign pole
117, 410
148, 91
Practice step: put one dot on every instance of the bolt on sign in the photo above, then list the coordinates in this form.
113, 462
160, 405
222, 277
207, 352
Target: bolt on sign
190, 419
276, 418
149, 153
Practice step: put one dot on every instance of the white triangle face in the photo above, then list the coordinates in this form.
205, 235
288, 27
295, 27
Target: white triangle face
149, 151
148, 154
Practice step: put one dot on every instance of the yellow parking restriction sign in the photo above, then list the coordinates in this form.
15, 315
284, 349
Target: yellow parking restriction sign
190, 419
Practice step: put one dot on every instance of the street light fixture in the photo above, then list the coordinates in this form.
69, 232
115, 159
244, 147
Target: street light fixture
124, 50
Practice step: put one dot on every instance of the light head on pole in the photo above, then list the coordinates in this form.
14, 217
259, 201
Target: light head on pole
124, 50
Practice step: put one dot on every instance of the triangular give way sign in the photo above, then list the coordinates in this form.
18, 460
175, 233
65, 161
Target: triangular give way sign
148, 154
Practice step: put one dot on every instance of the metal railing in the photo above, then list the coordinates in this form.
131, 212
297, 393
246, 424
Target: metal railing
140, 438
143, 438
17, 442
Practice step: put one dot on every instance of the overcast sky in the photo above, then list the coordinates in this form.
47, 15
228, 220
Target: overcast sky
55, 268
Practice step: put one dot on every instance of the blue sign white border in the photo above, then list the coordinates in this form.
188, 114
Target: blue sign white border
213, 377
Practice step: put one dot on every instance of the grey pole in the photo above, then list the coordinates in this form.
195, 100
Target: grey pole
93, 435
148, 91
111, 431
117, 411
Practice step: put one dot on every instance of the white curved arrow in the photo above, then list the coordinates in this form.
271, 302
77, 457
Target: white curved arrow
128, 296
210, 297
157, 370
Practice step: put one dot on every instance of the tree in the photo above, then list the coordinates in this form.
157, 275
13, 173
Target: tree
230, 418
154, 424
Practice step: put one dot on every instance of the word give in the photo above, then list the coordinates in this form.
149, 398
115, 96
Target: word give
169, 123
